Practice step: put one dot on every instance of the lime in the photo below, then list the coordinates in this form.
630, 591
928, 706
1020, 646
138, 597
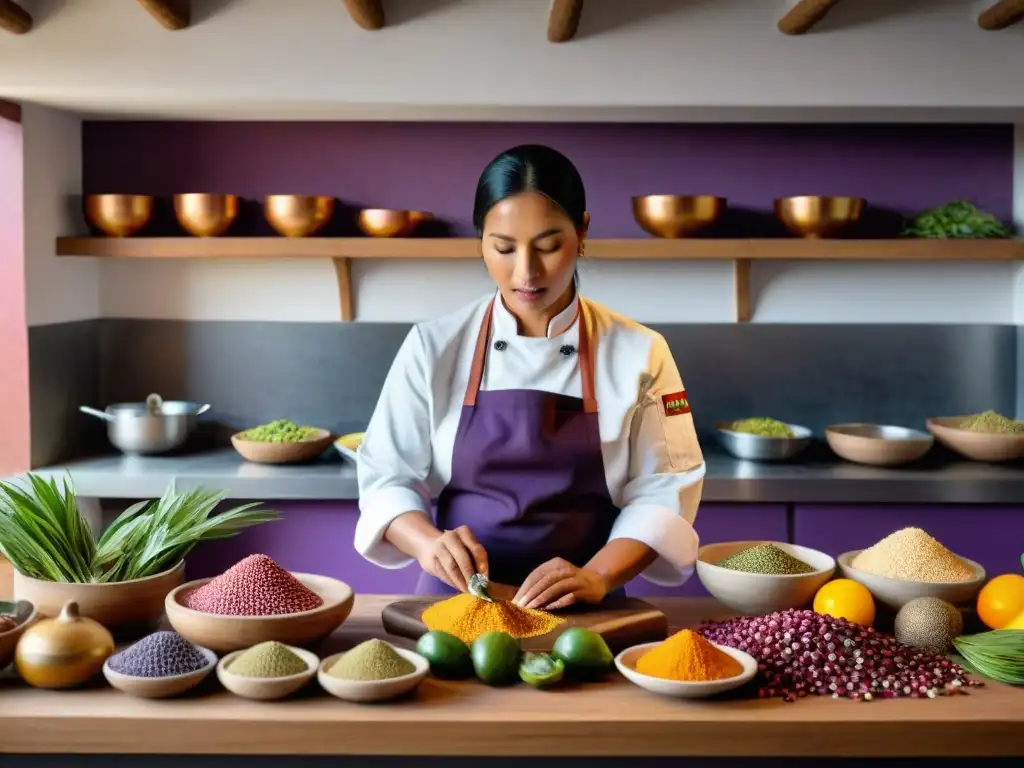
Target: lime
496, 658
540, 669
584, 653
448, 656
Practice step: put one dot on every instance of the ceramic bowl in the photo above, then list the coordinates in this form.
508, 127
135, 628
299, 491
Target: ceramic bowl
373, 690
224, 634
878, 445
118, 215
25, 614
744, 445
625, 662
978, 446
676, 215
755, 594
160, 687
896, 593
347, 445
281, 453
818, 215
123, 607
267, 688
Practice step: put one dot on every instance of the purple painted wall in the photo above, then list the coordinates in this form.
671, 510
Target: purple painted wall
992, 536
434, 166
317, 537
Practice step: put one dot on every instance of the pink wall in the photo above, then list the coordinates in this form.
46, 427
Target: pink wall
14, 383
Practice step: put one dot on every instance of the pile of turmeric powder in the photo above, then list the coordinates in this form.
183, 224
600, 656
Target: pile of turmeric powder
468, 617
689, 658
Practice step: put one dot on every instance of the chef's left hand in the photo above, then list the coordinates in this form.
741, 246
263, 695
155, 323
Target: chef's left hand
559, 584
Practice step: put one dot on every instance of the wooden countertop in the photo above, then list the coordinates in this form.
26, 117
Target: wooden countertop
611, 718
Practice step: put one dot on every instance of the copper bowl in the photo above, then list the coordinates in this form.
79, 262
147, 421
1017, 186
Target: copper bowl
118, 215
297, 215
676, 215
204, 214
383, 222
818, 216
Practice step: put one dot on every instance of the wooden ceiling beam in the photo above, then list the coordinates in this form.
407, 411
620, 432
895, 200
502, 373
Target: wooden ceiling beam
564, 20
804, 15
368, 14
172, 14
1001, 15
14, 18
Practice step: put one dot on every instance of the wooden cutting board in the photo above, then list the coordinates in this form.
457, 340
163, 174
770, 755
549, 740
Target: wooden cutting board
623, 622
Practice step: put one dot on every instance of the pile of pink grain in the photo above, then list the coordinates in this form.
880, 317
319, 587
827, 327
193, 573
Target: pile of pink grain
255, 586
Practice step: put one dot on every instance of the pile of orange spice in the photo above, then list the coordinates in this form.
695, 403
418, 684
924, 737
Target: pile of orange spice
689, 658
468, 617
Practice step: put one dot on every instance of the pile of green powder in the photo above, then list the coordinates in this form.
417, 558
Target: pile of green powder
764, 427
269, 659
372, 660
765, 559
992, 423
280, 431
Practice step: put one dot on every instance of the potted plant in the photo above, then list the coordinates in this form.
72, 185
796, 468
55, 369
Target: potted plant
121, 579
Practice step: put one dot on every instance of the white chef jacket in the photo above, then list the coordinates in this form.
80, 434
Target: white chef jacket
653, 463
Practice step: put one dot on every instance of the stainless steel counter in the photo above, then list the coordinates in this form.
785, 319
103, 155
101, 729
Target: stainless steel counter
818, 478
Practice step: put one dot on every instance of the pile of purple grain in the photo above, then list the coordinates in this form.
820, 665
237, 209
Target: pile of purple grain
801, 653
162, 654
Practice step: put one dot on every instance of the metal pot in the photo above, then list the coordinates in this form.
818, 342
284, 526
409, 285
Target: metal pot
155, 426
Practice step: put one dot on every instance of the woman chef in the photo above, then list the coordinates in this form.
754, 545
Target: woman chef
555, 435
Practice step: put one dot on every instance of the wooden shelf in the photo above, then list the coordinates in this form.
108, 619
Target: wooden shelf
742, 252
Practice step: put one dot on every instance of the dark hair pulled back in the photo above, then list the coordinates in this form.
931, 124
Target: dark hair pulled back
531, 168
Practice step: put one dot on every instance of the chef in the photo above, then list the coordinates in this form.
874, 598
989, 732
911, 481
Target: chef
554, 434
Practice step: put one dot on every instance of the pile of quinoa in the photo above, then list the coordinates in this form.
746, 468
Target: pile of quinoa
910, 554
801, 653
161, 654
254, 586
992, 423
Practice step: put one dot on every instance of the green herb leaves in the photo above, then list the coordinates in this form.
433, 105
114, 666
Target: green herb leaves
45, 536
997, 655
956, 220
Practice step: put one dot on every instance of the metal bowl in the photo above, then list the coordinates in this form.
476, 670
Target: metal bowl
118, 215
297, 215
676, 215
878, 445
819, 216
744, 445
204, 214
155, 426
383, 222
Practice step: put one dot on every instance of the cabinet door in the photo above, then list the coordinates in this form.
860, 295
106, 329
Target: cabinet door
723, 522
990, 535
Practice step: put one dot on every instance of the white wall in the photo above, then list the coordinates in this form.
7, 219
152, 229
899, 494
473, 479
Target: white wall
270, 58
57, 290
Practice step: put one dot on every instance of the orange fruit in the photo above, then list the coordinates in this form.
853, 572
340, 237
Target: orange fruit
846, 599
1001, 600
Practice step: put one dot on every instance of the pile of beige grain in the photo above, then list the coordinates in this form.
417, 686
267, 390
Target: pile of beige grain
910, 554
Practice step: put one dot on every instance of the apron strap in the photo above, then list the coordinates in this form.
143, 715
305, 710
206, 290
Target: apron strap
476, 371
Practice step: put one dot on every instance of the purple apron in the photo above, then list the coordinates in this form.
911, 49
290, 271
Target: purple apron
527, 472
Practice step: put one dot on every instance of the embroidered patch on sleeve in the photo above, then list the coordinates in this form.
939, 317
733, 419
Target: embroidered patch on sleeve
676, 404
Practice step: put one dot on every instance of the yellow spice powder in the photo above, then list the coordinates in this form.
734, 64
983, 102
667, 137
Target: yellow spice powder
688, 657
468, 617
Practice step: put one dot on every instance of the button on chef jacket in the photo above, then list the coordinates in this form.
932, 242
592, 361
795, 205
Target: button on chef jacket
653, 463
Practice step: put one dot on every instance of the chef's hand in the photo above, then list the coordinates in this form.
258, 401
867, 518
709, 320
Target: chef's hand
559, 584
454, 557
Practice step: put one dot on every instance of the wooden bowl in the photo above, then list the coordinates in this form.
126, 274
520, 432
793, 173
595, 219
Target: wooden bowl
978, 446
282, 453
676, 215
204, 214
383, 222
224, 634
25, 614
365, 691
267, 688
297, 215
125, 605
819, 216
118, 215
160, 687
878, 445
